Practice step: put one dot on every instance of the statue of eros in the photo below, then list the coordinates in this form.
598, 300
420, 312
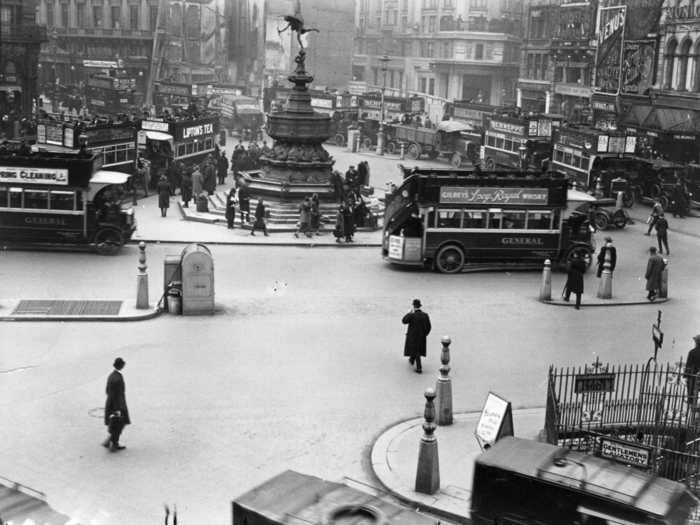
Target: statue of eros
296, 23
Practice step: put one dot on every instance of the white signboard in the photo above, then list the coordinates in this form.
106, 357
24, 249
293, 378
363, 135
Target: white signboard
154, 125
496, 412
395, 247
22, 175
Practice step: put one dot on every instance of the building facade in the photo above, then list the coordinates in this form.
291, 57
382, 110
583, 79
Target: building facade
20, 40
452, 49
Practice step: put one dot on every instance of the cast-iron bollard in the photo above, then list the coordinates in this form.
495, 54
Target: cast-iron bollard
663, 290
443, 386
428, 472
546, 287
618, 201
605, 284
142, 279
403, 152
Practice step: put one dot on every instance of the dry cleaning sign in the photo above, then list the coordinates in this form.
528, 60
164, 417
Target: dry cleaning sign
21, 175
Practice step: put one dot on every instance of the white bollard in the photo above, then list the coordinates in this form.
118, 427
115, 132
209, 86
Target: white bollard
546, 287
618, 202
605, 285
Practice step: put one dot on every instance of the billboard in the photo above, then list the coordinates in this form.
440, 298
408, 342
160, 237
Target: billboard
638, 65
608, 64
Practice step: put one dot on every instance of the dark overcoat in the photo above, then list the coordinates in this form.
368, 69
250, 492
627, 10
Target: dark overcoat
574, 279
655, 266
601, 259
116, 397
231, 204
163, 194
418, 329
692, 369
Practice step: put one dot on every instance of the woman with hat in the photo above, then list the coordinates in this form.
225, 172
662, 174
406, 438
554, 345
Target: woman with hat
163, 195
607, 248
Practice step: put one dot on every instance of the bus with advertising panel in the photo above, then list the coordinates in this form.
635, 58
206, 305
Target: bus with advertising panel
108, 95
587, 154
447, 218
517, 141
63, 199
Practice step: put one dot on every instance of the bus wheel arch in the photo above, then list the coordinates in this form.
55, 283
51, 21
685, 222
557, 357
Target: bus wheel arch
108, 241
449, 258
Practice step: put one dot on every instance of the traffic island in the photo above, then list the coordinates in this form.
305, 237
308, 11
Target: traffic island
74, 310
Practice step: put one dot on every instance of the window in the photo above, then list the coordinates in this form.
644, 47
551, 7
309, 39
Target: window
494, 219
682, 85
446, 51
431, 86
514, 220
15, 197
449, 219
80, 14
209, 143
474, 219
152, 17
422, 85
62, 200
36, 199
3, 196
539, 220
479, 52
116, 13
431, 24
670, 62
65, 22
181, 150
190, 148
508, 144
97, 16
49, 14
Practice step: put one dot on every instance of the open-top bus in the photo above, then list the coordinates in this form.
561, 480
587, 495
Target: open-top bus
445, 219
63, 199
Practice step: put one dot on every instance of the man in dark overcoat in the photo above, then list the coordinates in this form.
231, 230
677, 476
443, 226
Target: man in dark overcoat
692, 369
655, 266
574, 279
607, 248
116, 411
418, 329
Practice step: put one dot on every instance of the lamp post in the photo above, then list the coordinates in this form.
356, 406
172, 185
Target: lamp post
522, 153
380, 135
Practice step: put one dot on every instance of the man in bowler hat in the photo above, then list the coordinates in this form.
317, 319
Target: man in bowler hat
607, 248
418, 329
116, 411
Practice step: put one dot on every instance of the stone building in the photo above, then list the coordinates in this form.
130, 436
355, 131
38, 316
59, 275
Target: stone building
20, 39
453, 49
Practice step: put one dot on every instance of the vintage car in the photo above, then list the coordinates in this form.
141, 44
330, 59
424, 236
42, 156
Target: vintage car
603, 214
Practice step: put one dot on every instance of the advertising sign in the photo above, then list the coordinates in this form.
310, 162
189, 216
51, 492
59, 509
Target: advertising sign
508, 127
22, 175
463, 195
154, 125
625, 452
54, 134
638, 66
608, 64
496, 420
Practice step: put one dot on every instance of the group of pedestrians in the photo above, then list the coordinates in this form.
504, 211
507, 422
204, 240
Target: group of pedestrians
309, 217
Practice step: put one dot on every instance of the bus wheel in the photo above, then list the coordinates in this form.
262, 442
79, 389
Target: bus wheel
602, 221
391, 148
340, 139
620, 219
413, 151
450, 259
490, 164
456, 160
628, 199
108, 242
584, 254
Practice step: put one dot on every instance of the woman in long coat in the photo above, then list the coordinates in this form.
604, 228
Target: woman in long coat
163, 195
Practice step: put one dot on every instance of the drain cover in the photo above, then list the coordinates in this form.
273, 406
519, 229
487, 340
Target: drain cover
68, 308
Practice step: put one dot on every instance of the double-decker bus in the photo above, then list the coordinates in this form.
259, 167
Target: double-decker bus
584, 154
63, 199
512, 141
108, 95
444, 219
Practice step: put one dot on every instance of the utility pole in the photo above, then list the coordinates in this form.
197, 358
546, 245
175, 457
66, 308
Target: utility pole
154, 70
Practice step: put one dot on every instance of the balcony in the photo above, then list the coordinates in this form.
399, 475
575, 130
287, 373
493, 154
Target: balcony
23, 34
102, 32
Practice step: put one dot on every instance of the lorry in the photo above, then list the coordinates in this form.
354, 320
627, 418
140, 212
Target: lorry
457, 142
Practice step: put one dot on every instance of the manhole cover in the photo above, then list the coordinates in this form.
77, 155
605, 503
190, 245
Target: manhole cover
32, 307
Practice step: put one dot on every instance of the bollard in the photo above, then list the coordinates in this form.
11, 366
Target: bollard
663, 290
142, 279
546, 287
618, 201
428, 472
605, 284
403, 152
599, 187
443, 386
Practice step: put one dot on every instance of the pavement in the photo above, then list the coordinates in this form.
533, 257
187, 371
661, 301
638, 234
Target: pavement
394, 459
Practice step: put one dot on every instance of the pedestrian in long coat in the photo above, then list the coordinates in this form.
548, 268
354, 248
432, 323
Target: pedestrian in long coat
348, 223
186, 188
574, 279
655, 266
607, 248
222, 169
197, 182
163, 195
339, 231
231, 207
315, 223
244, 202
304, 218
418, 329
260, 216
116, 412
692, 369
209, 173
661, 227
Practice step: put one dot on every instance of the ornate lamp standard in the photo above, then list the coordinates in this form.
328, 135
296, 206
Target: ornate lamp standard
380, 135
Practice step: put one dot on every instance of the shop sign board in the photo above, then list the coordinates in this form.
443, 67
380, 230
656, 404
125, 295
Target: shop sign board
27, 175
625, 452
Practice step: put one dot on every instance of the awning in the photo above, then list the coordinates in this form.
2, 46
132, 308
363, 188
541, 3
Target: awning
109, 177
158, 135
667, 119
636, 116
578, 196
449, 126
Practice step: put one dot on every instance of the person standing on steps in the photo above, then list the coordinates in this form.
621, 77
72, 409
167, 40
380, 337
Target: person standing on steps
418, 329
260, 217
662, 233
116, 411
244, 202
692, 369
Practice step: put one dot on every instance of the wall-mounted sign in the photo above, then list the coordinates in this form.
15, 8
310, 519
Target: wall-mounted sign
154, 125
486, 195
22, 175
638, 72
174, 89
325, 103
625, 452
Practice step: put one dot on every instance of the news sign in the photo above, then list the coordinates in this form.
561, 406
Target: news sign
26, 175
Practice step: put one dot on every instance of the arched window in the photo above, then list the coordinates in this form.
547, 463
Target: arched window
681, 80
670, 60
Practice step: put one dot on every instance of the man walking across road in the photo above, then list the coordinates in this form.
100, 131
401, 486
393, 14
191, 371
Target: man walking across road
418, 329
655, 266
662, 233
574, 279
607, 248
656, 210
116, 411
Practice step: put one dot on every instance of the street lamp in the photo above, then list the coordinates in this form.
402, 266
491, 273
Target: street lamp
380, 135
522, 153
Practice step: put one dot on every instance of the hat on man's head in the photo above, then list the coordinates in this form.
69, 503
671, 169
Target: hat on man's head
696, 338
416, 303
119, 363
608, 239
